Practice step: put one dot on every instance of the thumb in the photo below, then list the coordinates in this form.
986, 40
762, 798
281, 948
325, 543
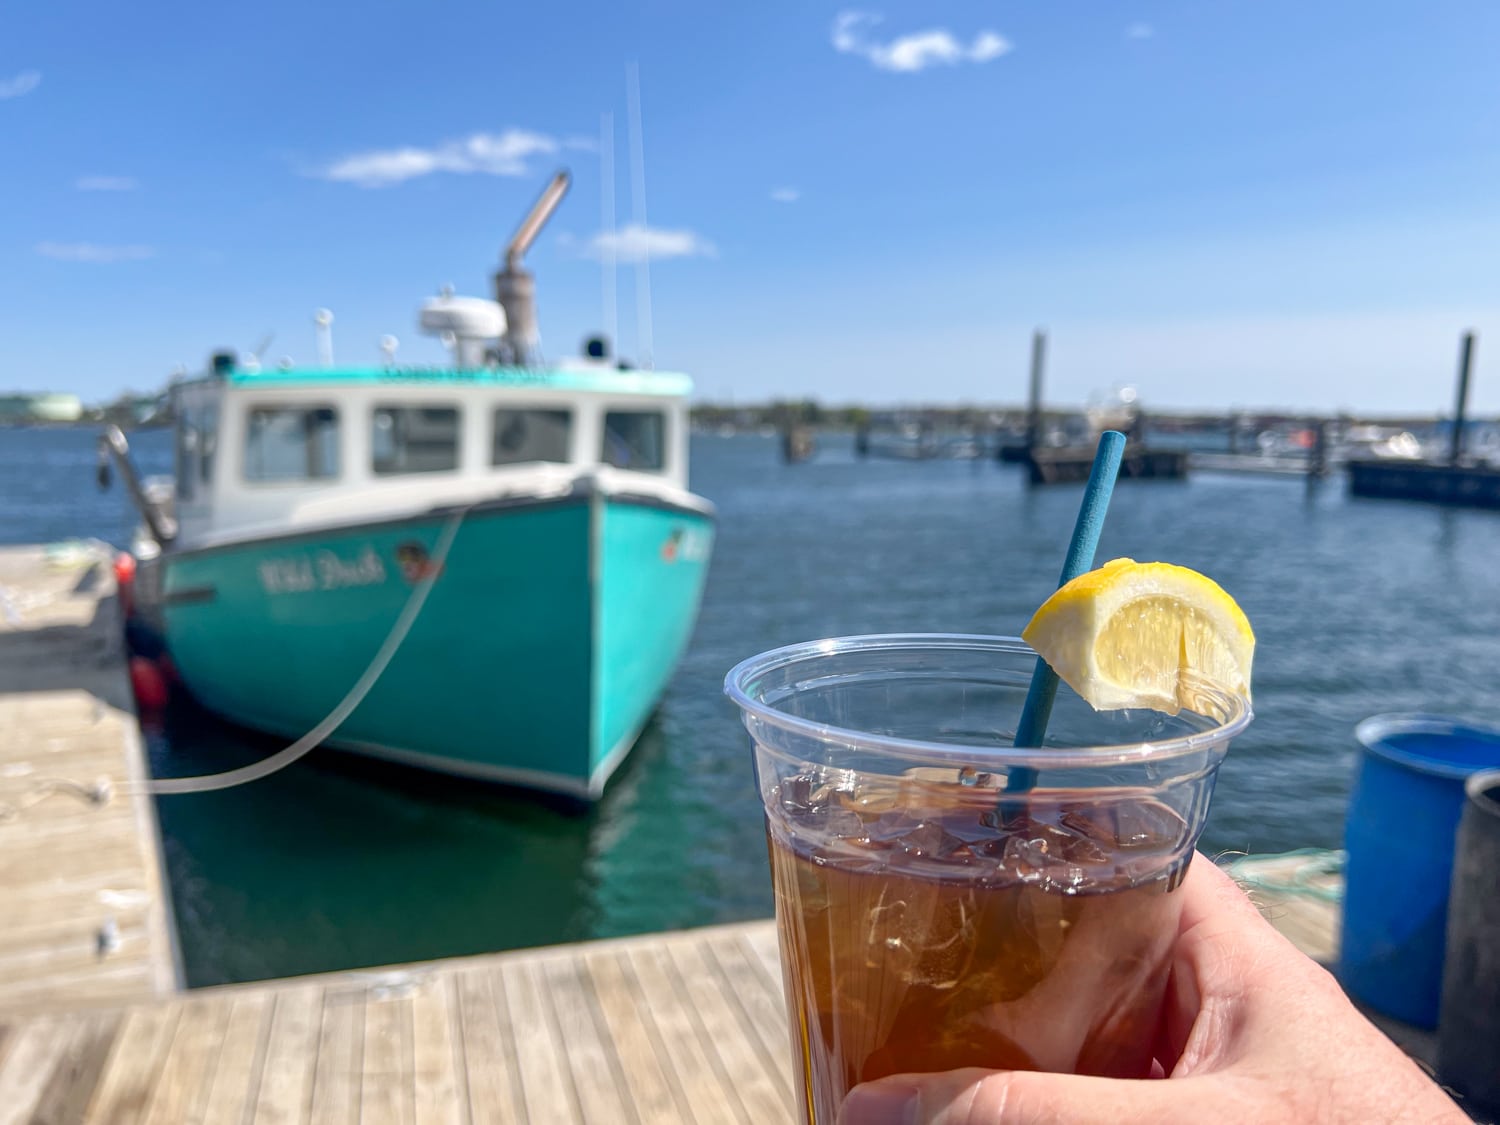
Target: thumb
1024, 1097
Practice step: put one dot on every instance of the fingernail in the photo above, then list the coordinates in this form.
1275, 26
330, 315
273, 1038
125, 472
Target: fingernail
880, 1103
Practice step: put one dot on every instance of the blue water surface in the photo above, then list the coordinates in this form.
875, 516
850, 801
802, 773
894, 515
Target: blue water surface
1360, 607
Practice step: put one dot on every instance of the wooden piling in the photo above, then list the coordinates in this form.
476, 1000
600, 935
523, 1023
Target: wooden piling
1034, 400
1461, 406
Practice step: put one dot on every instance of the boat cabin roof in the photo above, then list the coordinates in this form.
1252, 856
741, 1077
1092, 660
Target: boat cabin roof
583, 378
283, 449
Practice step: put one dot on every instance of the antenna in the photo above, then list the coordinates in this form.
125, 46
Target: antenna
324, 320
388, 346
638, 198
260, 348
607, 263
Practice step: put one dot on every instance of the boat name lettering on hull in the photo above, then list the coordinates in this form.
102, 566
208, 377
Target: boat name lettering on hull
322, 570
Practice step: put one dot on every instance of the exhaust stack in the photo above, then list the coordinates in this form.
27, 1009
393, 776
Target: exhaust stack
515, 287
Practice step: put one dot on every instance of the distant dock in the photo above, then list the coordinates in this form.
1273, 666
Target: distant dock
1072, 466
84, 910
1472, 486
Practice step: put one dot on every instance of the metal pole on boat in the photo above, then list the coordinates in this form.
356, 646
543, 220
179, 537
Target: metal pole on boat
1461, 407
607, 262
324, 320
644, 346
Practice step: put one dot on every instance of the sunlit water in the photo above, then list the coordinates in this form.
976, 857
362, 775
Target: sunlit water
1360, 607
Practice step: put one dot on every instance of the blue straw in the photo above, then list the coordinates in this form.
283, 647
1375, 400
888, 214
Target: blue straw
1038, 707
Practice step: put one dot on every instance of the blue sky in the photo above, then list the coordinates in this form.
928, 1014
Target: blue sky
1253, 203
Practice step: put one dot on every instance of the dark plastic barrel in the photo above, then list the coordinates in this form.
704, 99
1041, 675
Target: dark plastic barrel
1468, 1057
1403, 815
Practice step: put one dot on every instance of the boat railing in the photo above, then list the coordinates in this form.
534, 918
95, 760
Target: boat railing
113, 444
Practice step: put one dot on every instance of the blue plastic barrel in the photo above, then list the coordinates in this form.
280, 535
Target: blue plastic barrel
1403, 816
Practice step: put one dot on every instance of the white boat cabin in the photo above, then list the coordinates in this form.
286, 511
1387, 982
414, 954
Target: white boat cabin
261, 452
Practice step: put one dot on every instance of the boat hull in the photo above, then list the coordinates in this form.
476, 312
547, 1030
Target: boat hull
547, 639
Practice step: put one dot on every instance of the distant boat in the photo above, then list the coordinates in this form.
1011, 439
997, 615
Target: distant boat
919, 442
310, 504
1380, 442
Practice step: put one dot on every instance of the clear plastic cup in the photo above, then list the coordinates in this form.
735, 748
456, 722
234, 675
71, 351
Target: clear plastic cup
929, 917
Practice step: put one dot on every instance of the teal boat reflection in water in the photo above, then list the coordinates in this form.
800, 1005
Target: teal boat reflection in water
309, 504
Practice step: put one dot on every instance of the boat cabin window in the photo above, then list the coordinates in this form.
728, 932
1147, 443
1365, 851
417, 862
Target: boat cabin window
289, 443
530, 435
414, 439
635, 439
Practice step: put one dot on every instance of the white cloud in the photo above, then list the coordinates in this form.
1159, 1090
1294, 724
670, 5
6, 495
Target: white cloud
93, 252
908, 54
1139, 31
106, 183
785, 194
633, 243
20, 85
503, 154
581, 144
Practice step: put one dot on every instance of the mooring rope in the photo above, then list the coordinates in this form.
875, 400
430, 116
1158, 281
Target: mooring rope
101, 791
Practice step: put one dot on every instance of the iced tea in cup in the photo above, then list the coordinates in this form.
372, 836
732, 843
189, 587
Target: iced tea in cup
930, 918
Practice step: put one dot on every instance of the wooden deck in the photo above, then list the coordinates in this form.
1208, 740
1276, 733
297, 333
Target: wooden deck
682, 1027
83, 918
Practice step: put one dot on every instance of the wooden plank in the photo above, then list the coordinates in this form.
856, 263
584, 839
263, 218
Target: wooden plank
336, 1082
546, 1084
636, 1042
757, 1078
284, 1096
596, 1073
441, 1086
386, 1097
59, 846
236, 1078
699, 1075
73, 1080
489, 1052
761, 940
764, 1008
188, 1068
133, 1065
23, 1077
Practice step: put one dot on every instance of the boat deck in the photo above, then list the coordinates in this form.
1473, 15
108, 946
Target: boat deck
83, 917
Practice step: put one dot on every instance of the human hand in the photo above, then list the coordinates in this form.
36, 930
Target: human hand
1253, 1031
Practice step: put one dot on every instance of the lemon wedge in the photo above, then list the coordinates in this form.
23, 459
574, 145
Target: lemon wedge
1144, 635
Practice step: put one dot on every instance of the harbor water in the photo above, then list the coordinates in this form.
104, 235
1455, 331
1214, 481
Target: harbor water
1360, 607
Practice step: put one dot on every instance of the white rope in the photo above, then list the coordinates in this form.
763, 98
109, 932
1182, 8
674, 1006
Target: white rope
356, 695
100, 792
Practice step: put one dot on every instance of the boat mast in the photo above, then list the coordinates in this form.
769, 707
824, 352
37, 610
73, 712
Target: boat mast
607, 263
638, 194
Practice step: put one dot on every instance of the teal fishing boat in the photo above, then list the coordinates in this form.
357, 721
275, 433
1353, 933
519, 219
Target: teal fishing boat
489, 570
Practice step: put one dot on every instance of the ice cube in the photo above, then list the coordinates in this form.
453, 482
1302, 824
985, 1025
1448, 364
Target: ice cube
1127, 824
796, 794
931, 840
1084, 849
